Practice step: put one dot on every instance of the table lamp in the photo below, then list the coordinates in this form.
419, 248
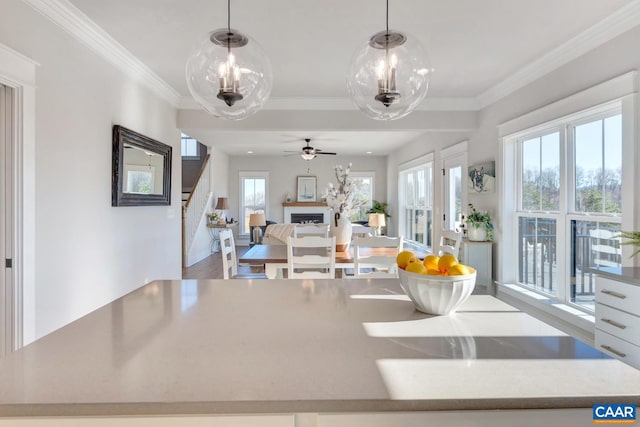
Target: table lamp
377, 220
257, 220
222, 205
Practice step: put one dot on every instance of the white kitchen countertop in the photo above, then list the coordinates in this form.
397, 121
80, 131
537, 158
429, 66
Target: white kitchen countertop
283, 346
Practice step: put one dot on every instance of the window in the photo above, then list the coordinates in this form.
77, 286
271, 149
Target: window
253, 196
569, 206
415, 191
189, 147
367, 181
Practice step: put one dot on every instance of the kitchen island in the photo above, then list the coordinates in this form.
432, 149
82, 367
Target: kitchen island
269, 348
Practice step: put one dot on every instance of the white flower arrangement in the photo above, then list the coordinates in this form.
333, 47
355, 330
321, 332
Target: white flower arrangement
346, 196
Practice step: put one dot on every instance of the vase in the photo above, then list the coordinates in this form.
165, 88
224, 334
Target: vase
341, 228
477, 233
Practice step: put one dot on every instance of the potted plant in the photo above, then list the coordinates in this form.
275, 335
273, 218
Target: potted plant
633, 238
379, 207
479, 226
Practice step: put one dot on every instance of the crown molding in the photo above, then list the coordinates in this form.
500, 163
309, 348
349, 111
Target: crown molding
607, 29
72, 20
343, 104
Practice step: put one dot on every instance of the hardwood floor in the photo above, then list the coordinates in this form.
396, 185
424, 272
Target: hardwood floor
211, 267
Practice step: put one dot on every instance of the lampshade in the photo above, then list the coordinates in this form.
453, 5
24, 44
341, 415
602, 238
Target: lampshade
222, 203
257, 220
229, 74
389, 74
376, 220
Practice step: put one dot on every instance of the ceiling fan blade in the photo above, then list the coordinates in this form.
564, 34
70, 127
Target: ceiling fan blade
326, 152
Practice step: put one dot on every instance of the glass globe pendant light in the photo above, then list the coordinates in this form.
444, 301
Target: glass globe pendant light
229, 74
389, 74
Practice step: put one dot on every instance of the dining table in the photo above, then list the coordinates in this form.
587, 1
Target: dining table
274, 257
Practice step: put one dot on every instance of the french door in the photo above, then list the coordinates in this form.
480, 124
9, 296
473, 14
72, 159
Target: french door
453, 194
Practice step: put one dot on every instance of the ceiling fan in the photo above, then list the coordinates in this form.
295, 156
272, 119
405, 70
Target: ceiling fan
308, 152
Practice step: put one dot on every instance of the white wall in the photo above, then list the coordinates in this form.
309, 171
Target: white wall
88, 253
283, 172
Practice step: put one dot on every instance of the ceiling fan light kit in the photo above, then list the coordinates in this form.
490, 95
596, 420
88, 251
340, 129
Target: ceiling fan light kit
309, 153
229, 74
389, 74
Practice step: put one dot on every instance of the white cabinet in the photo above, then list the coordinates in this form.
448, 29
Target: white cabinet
478, 256
617, 324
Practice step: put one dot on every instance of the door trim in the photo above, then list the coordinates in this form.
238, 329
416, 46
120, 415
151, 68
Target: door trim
18, 73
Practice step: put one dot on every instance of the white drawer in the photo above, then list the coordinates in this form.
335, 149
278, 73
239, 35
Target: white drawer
618, 348
618, 323
617, 294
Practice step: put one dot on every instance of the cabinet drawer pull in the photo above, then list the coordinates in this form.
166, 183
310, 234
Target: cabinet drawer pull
614, 323
613, 294
616, 352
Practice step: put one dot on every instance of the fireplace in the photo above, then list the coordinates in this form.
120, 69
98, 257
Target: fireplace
317, 213
302, 218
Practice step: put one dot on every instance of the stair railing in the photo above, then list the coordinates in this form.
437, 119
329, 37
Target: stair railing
194, 208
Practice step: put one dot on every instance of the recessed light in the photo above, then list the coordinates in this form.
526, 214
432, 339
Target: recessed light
369, 152
249, 152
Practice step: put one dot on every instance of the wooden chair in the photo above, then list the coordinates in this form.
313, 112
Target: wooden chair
304, 230
230, 260
321, 264
372, 266
450, 241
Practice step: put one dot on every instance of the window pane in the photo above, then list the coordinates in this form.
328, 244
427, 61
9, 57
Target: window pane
537, 253
550, 172
589, 167
415, 205
593, 244
409, 190
249, 192
613, 164
253, 199
189, 146
530, 174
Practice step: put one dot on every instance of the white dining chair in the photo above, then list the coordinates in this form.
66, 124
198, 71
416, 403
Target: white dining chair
317, 265
367, 265
450, 241
230, 260
304, 230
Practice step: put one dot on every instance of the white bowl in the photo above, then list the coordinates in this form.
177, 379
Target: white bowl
437, 294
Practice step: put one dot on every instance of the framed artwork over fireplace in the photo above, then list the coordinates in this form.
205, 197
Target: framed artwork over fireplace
307, 187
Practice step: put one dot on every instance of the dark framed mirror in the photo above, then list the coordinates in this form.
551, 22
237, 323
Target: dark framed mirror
141, 174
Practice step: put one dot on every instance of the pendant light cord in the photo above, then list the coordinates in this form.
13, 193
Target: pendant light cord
229, 15
387, 16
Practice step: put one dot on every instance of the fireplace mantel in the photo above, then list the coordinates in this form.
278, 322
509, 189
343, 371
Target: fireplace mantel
304, 204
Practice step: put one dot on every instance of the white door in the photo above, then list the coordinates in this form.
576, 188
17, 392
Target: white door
454, 196
6, 222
